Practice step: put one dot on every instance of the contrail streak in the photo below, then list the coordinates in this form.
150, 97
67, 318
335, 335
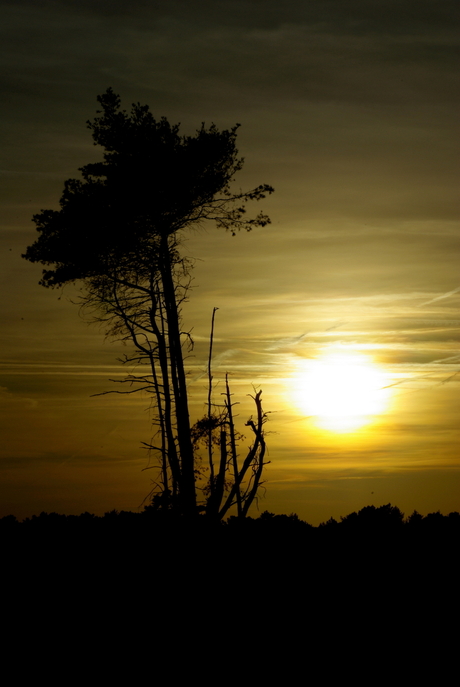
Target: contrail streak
439, 298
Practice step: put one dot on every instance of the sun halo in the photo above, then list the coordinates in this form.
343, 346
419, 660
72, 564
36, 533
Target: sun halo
342, 391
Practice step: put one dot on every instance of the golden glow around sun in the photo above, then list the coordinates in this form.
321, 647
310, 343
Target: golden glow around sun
343, 391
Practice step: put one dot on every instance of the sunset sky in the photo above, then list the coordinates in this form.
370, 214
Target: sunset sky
350, 110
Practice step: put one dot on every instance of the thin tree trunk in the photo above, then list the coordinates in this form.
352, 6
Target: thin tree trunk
187, 482
220, 481
168, 414
231, 427
211, 464
161, 419
252, 453
261, 454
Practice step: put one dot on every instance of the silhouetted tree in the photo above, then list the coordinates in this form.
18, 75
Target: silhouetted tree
372, 520
118, 231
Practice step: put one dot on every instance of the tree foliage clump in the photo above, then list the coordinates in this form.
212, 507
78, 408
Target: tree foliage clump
118, 231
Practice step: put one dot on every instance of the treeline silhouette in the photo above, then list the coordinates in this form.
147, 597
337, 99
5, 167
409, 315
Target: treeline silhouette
374, 548
278, 573
383, 523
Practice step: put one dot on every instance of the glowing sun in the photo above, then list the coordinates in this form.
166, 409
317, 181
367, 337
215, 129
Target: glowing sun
343, 391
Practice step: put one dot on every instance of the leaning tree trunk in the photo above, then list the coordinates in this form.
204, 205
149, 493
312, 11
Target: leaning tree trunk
187, 479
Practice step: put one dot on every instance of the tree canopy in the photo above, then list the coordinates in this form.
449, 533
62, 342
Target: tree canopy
152, 183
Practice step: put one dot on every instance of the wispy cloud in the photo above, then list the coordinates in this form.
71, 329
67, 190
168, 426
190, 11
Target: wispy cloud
216, 362
439, 298
286, 342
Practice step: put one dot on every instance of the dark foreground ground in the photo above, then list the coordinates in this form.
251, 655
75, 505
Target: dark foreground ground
371, 594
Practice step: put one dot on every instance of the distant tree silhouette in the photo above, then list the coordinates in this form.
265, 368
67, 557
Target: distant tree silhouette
119, 230
371, 519
414, 520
